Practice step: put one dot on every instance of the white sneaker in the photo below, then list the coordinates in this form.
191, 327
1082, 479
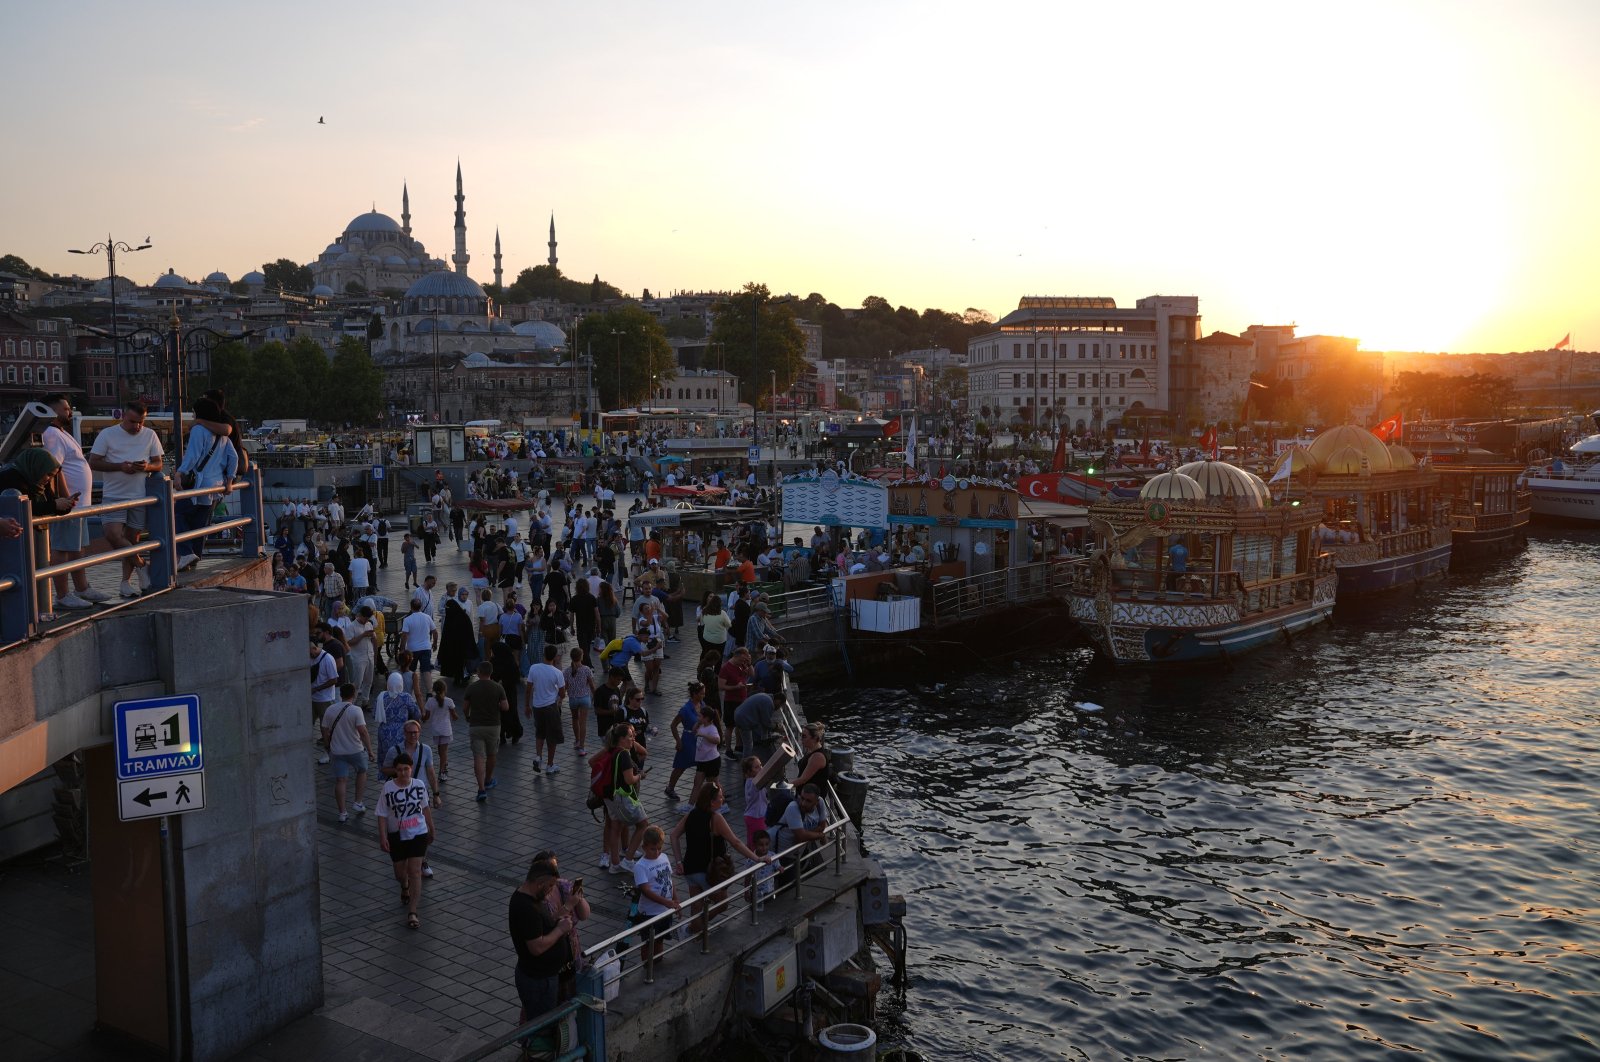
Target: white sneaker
343, 817
129, 590
144, 578
627, 866
359, 808
73, 601
323, 758
605, 861
551, 769
187, 561
94, 595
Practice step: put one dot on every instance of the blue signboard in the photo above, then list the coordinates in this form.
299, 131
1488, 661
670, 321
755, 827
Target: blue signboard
377, 472
755, 454
157, 736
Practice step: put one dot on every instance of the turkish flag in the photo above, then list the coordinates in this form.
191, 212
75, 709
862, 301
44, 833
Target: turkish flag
892, 428
1566, 341
1208, 441
1390, 429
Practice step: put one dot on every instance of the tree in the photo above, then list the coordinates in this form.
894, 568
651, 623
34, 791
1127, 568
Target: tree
758, 336
546, 282
626, 363
231, 363
686, 328
13, 264
355, 287
288, 276
273, 387
311, 365
355, 386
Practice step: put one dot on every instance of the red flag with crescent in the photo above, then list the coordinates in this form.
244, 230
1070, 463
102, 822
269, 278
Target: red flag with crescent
1566, 341
1390, 430
892, 428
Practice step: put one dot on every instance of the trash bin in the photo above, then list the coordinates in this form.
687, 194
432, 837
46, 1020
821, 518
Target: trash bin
847, 1043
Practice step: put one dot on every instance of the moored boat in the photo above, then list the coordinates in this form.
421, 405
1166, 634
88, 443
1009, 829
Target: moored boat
1200, 566
1384, 521
1489, 510
1567, 488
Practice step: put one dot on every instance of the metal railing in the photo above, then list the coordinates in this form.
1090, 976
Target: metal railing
21, 612
315, 456
960, 598
583, 1011
801, 604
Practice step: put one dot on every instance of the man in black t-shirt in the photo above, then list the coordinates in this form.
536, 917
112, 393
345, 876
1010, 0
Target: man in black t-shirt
608, 701
543, 941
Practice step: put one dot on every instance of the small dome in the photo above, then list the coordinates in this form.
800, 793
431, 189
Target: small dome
426, 325
255, 277
349, 258
394, 261
414, 262
1172, 486
170, 279
546, 336
322, 291
1368, 445
477, 360
445, 283
472, 327
335, 248
219, 277
1221, 480
1404, 460
373, 222
1298, 458
1349, 461
500, 328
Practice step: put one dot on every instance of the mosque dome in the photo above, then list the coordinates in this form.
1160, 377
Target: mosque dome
373, 222
349, 258
472, 328
322, 291
394, 261
414, 262
1404, 460
445, 284
1221, 480
255, 278
335, 248
426, 325
170, 279
477, 360
103, 287
219, 277
1172, 486
545, 335
1366, 444
437, 263
500, 328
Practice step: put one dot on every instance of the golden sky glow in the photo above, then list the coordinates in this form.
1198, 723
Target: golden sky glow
1417, 173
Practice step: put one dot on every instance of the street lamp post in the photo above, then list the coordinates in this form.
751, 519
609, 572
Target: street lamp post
111, 247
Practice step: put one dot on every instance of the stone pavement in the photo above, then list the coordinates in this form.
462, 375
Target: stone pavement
390, 993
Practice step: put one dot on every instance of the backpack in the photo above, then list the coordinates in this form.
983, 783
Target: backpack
778, 800
603, 773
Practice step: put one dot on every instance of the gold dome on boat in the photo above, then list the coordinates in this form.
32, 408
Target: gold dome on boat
1333, 441
1404, 460
1349, 461
1222, 480
1172, 486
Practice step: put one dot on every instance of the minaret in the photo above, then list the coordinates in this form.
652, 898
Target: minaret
460, 258
552, 239
497, 273
405, 208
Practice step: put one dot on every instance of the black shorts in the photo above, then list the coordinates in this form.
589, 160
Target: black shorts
709, 768
547, 724
416, 848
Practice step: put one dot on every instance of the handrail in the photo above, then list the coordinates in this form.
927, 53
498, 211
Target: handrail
794, 604
25, 591
532, 1027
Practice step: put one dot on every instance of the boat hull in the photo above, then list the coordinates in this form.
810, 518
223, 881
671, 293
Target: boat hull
1470, 547
1566, 499
1358, 577
1159, 632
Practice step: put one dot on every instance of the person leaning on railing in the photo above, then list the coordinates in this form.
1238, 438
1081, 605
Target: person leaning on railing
36, 475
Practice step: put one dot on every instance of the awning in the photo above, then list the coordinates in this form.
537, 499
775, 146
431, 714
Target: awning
1053, 512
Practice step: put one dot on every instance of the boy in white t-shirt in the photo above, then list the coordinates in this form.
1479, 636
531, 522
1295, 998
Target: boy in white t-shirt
652, 876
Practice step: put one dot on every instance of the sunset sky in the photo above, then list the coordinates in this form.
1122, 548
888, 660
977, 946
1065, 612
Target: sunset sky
1420, 174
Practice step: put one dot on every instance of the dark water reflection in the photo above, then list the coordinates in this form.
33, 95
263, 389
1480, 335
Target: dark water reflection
1383, 840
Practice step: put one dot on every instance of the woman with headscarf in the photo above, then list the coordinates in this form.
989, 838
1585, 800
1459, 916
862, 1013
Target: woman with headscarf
457, 646
392, 709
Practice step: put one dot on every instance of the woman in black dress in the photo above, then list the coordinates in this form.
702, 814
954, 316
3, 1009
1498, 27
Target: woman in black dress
509, 675
585, 611
457, 646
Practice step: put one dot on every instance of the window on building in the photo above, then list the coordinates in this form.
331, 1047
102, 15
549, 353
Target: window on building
55, 350
55, 374
1122, 400
1122, 379
1016, 350
1082, 401
27, 348
1081, 378
1030, 351
1016, 401
1080, 349
1097, 350
1016, 380
11, 348
27, 374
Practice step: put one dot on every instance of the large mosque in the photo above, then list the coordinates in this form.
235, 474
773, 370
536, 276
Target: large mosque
442, 308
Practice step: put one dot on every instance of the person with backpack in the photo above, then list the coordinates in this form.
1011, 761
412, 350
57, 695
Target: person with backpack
614, 779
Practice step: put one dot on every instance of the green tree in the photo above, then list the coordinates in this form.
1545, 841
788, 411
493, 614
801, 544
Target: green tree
758, 337
273, 388
355, 287
630, 352
355, 385
288, 276
13, 264
231, 363
547, 282
312, 366
686, 328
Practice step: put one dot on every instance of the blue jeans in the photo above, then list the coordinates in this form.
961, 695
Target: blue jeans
539, 995
192, 515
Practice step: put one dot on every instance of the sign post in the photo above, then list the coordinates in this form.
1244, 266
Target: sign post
160, 773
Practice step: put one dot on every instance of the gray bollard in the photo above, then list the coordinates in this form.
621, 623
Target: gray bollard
852, 789
841, 760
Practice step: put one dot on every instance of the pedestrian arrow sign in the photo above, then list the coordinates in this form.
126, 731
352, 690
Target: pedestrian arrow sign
171, 794
157, 736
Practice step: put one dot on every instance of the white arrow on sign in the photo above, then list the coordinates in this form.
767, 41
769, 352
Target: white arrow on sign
172, 794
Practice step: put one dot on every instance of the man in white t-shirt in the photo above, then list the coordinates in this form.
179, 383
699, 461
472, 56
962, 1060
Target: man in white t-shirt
69, 538
125, 455
360, 634
542, 696
419, 636
324, 688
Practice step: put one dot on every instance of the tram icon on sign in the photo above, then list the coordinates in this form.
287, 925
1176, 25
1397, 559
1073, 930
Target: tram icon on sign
145, 735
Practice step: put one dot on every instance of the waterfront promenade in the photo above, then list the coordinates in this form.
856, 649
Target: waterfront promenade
390, 993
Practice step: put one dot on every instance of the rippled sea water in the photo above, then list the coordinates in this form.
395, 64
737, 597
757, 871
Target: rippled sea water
1383, 840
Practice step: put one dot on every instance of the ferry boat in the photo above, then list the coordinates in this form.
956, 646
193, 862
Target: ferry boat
1568, 488
1385, 522
1489, 510
1201, 566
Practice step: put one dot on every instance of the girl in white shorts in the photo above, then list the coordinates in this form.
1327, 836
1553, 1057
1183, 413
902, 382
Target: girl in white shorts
439, 716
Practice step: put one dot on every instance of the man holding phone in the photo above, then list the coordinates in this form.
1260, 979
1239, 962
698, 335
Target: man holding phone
70, 538
125, 455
